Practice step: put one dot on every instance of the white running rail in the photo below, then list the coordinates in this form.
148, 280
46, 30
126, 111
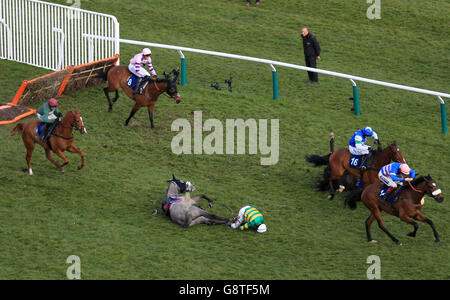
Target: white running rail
52, 36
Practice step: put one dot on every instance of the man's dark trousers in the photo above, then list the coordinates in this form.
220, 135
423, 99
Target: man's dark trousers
310, 62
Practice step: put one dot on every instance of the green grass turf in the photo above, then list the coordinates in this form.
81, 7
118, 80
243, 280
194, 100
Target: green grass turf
103, 213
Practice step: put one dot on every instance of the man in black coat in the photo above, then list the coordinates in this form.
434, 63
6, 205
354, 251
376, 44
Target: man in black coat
311, 49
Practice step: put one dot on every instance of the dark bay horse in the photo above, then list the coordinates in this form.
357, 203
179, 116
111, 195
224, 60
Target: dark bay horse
60, 140
117, 78
338, 165
182, 209
408, 207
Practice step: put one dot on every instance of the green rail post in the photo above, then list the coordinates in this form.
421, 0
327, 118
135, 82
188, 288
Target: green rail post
183, 68
355, 98
274, 82
443, 116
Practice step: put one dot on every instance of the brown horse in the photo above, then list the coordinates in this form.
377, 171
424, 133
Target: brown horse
338, 165
60, 140
408, 208
117, 78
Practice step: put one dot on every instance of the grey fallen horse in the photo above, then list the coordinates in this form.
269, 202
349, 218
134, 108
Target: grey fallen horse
182, 209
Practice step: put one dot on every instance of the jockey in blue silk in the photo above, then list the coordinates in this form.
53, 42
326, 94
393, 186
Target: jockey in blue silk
357, 144
393, 173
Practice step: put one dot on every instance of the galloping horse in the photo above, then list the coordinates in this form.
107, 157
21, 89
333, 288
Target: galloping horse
60, 140
182, 210
407, 207
117, 78
338, 164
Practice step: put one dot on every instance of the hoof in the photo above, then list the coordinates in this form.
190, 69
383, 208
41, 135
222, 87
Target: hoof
399, 243
373, 241
437, 243
411, 234
330, 197
30, 171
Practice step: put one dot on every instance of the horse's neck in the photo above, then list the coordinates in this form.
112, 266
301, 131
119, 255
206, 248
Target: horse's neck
382, 158
65, 125
172, 191
416, 196
187, 199
155, 88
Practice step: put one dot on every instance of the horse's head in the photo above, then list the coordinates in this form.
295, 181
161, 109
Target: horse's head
77, 121
172, 85
396, 154
180, 185
432, 190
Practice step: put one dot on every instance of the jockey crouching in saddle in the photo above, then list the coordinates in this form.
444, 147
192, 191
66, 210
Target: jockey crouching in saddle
48, 113
393, 175
357, 145
136, 67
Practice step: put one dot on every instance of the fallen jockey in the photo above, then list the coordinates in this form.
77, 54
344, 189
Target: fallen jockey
249, 217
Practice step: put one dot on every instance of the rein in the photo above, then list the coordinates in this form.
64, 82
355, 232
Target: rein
71, 127
413, 188
156, 86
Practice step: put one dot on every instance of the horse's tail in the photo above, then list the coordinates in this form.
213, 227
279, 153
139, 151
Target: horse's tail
353, 197
105, 74
318, 160
324, 183
19, 127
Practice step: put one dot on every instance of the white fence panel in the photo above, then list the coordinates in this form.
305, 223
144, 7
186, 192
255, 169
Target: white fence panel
53, 36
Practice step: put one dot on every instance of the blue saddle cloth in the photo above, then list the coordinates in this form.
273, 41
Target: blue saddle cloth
168, 203
39, 128
392, 198
355, 161
132, 80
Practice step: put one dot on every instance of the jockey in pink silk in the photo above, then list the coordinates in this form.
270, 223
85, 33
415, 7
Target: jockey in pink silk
136, 67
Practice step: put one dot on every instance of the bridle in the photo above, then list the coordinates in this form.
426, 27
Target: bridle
72, 125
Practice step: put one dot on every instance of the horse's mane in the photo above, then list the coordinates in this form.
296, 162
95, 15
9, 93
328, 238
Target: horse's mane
418, 180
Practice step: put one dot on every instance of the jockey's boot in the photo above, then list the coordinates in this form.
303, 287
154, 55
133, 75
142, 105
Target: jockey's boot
386, 196
364, 159
137, 87
44, 131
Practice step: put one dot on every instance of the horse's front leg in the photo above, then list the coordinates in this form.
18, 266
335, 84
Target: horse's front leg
198, 198
150, 114
135, 108
421, 217
60, 154
74, 149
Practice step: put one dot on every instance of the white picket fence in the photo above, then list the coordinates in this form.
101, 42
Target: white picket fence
52, 36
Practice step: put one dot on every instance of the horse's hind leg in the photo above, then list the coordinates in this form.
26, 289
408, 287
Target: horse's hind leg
110, 104
377, 216
369, 222
30, 149
199, 220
